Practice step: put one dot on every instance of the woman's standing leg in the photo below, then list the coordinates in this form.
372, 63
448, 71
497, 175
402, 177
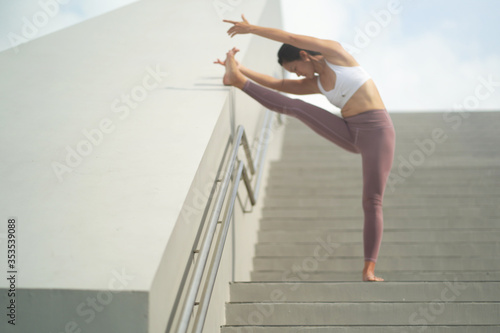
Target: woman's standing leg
377, 153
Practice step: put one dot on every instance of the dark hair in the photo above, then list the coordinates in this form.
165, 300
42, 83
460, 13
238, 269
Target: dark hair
289, 53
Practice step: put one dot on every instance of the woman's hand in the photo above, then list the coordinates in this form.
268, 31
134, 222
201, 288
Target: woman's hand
239, 27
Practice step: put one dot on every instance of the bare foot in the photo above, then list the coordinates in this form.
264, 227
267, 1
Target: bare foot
371, 278
233, 76
369, 272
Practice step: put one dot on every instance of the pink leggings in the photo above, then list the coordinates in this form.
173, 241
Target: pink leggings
370, 134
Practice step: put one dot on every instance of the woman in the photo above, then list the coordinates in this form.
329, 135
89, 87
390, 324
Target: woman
365, 126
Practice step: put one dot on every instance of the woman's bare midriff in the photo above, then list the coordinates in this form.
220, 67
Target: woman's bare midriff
364, 99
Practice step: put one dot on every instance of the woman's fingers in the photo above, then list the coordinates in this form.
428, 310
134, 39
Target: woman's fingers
238, 27
231, 31
234, 22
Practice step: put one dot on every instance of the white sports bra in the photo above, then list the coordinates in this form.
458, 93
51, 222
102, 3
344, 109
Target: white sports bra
349, 80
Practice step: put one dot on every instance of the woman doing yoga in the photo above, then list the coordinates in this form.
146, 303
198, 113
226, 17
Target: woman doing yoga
365, 126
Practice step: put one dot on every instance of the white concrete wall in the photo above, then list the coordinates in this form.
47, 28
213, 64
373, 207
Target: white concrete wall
107, 128
260, 54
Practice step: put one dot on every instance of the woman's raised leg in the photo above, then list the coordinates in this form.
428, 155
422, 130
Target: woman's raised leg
326, 124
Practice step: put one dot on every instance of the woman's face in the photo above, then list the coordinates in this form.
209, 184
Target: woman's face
300, 67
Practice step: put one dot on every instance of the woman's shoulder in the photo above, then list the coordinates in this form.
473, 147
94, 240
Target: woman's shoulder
340, 57
341, 62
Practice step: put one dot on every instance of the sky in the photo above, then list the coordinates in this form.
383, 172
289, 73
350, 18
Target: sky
429, 55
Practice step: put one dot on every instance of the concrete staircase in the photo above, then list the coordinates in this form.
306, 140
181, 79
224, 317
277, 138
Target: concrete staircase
440, 253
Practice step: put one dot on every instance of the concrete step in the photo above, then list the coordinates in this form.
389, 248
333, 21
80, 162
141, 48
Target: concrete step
470, 291
350, 236
310, 170
404, 141
323, 262
410, 140
403, 147
407, 139
405, 191
319, 202
367, 313
354, 179
389, 223
388, 249
313, 167
411, 190
346, 219
400, 166
361, 329
395, 212
415, 180
412, 275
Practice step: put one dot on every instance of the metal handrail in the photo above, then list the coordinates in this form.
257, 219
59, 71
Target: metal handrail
194, 286
205, 301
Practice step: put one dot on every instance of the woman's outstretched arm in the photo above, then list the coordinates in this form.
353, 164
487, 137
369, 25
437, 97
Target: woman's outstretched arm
326, 47
297, 87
